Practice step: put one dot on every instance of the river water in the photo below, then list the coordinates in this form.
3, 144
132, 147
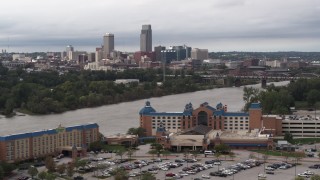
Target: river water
118, 118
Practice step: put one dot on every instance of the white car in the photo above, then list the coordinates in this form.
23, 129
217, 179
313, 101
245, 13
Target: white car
184, 174
262, 176
205, 176
217, 163
307, 172
269, 168
304, 175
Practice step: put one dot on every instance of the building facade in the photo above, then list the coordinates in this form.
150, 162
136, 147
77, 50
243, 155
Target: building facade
199, 54
18, 147
108, 45
146, 38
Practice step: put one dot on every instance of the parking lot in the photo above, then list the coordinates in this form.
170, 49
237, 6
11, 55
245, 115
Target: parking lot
142, 162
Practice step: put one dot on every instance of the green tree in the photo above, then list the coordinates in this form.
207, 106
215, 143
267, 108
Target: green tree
50, 176
70, 169
137, 131
153, 152
250, 95
148, 176
130, 152
33, 171
232, 155
61, 168
222, 148
120, 153
313, 96
217, 155
288, 137
120, 174
50, 164
166, 153
315, 177
42, 175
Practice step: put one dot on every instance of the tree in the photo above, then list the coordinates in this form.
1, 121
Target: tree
120, 153
222, 148
61, 168
79, 163
166, 153
42, 175
152, 152
315, 177
130, 152
33, 171
50, 176
50, 164
288, 137
313, 96
137, 131
120, 174
252, 156
70, 169
148, 176
250, 95
159, 149
232, 155
217, 155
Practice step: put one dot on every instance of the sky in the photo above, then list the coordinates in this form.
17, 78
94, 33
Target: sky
217, 25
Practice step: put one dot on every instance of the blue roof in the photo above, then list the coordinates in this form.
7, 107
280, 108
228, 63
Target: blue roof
147, 109
236, 114
49, 131
168, 113
255, 106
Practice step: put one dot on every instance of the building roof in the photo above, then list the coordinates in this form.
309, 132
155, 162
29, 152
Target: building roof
199, 130
255, 106
147, 109
48, 131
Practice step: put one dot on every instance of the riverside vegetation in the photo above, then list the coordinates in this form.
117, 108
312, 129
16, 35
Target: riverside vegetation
51, 92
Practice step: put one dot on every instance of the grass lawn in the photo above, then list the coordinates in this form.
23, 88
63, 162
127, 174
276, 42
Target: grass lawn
279, 153
305, 140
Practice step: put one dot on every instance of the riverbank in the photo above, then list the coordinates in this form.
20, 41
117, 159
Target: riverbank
118, 118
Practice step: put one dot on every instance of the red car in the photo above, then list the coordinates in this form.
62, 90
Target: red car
170, 175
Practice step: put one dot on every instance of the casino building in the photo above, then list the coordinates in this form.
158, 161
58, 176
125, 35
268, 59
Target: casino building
207, 126
72, 140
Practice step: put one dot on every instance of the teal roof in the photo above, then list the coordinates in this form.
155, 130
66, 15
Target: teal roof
147, 109
49, 132
255, 106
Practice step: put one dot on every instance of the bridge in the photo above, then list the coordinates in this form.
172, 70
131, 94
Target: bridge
261, 77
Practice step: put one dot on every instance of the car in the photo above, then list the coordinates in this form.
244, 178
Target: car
269, 168
217, 163
307, 172
170, 174
303, 175
262, 176
205, 176
269, 172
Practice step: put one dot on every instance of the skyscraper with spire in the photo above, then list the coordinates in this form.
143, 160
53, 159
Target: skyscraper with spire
146, 38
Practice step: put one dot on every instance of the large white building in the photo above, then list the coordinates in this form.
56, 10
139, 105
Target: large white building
199, 54
108, 45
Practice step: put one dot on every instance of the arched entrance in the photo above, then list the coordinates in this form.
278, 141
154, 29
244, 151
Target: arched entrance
203, 118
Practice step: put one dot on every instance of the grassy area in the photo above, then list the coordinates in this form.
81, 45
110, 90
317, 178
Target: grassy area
279, 153
114, 148
305, 140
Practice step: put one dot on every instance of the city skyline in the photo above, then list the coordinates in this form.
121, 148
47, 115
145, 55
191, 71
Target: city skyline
228, 25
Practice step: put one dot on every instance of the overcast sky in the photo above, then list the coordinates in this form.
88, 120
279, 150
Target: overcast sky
218, 25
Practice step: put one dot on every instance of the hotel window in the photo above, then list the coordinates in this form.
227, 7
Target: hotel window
163, 117
173, 117
158, 117
225, 118
158, 120
153, 121
179, 117
241, 118
230, 117
153, 117
168, 117
247, 118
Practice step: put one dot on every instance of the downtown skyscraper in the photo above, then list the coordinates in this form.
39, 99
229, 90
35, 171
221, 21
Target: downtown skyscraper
146, 38
108, 45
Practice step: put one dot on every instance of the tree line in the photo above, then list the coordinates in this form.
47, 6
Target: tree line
51, 92
278, 100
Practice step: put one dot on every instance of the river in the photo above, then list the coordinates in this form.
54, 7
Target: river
118, 118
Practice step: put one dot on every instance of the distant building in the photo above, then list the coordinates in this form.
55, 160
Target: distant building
72, 140
157, 52
146, 38
200, 54
108, 45
168, 55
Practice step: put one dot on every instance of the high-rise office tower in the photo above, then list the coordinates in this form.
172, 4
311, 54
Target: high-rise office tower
108, 44
146, 38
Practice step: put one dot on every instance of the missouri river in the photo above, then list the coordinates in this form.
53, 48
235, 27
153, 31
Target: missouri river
118, 118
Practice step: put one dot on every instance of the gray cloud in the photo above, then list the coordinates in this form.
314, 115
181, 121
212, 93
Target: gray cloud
214, 24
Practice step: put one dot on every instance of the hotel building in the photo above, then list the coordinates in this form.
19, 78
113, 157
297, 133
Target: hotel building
72, 139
